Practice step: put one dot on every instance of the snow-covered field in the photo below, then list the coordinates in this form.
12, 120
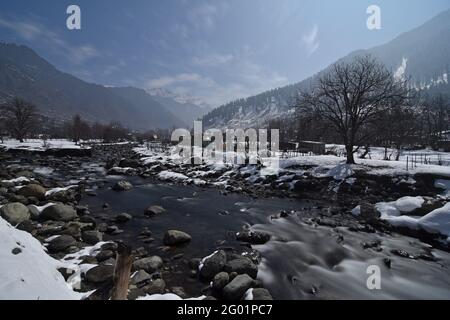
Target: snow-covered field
40, 145
291, 169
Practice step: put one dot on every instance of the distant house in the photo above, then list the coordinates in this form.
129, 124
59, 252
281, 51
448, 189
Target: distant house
444, 143
303, 147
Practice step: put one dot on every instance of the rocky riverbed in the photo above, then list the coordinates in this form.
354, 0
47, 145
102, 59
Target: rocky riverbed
290, 236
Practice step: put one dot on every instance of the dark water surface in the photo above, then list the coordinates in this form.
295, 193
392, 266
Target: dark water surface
302, 261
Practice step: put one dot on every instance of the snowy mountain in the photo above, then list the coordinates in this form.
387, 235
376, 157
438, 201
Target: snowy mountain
26, 75
185, 107
422, 54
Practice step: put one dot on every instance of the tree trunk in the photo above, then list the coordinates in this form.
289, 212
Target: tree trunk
350, 155
122, 273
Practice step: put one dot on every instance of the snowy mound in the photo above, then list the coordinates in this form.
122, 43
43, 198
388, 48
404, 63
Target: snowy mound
26, 271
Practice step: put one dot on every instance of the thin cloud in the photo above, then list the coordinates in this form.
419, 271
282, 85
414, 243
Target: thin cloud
212, 60
36, 32
310, 40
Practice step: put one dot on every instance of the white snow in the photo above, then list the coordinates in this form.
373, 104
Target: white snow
56, 190
30, 274
167, 296
39, 145
17, 180
248, 294
42, 208
437, 221
202, 262
356, 211
169, 175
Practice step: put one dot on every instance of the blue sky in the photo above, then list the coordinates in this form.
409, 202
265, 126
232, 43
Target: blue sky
217, 50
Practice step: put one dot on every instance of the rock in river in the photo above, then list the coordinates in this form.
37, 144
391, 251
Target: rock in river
253, 237
15, 213
92, 236
176, 237
242, 266
261, 294
99, 274
237, 287
123, 217
59, 212
150, 264
32, 190
122, 186
61, 243
212, 265
154, 210
220, 281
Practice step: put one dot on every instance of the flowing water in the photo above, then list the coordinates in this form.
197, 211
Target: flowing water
302, 261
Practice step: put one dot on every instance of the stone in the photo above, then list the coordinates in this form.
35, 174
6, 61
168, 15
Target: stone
149, 264
16, 251
104, 255
237, 287
129, 163
61, 243
100, 274
253, 237
179, 291
15, 213
261, 294
59, 212
154, 210
34, 212
213, 264
92, 236
220, 281
140, 277
242, 266
176, 237
32, 190
123, 217
368, 212
157, 286
122, 186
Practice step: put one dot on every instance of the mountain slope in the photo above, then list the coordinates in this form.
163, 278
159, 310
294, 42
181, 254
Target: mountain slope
24, 74
187, 109
422, 54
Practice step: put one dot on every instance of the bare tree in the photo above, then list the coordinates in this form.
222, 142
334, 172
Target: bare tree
351, 95
20, 119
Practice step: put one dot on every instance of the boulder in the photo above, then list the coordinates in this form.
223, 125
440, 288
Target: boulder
129, 163
176, 237
32, 190
123, 217
59, 212
140, 277
157, 286
61, 243
368, 212
261, 294
220, 281
242, 266
122, 186
15, 213
237, 287
92, 236
149, 264
154, 210
213, 264
100, 274
253, 237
